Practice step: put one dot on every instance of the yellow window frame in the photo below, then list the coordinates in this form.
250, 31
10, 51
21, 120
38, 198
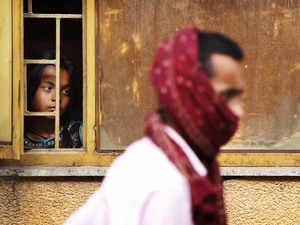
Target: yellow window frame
240, 158
70, 158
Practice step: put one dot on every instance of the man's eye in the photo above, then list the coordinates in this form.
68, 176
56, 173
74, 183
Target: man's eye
227, 96
230, 94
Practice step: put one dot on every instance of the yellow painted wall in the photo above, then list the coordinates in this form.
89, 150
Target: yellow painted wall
6, 70
249, 201
263, 201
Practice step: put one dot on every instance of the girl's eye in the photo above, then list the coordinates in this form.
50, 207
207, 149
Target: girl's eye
66, 92
47, 88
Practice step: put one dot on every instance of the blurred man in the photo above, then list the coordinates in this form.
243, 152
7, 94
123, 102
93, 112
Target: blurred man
171, 176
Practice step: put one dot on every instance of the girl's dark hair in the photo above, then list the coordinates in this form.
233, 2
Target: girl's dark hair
35, 75
210, 43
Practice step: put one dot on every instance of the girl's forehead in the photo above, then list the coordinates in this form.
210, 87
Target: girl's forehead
49, 72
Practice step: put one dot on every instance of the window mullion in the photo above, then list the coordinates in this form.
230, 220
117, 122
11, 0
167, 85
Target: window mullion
57, 89
29, 5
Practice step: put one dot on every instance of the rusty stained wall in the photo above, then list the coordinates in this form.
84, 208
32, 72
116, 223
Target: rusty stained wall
249, 201
268, 31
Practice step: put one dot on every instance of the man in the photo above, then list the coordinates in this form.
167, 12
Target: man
171, 176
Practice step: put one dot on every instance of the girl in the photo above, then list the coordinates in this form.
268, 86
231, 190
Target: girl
41, 84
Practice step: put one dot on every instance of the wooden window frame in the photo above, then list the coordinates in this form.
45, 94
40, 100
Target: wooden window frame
89, 157
72, 157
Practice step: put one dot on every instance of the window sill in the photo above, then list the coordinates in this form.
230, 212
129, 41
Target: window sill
91, 171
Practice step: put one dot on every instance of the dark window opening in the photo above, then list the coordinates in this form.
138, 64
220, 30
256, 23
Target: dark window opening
40, 97
54, 7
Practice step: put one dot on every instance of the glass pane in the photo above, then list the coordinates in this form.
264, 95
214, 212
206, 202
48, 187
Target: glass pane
268, 32
39, 36
71, 48
39, 129
6, 71
54, 7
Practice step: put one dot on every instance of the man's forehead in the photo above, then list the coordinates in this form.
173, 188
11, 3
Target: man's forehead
225, 66
227, 72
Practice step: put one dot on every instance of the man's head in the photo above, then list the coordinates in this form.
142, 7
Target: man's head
200, 91
221, 58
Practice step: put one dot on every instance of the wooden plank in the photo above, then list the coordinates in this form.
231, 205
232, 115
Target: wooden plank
259, 159
98, 78
90, 96
6, 71
57, 85
26, 113
29, 5
55, 150
105, 159
68, 159
25, 88
6, 152
18, 88
52, 16
39, 61
84, 74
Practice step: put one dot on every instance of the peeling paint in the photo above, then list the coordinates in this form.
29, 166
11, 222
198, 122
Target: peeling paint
105, 31
135, 90
137, 41
275, 30
124, 48
295, 67
288, 15
106, 85
113, 13
279, 10
181, 5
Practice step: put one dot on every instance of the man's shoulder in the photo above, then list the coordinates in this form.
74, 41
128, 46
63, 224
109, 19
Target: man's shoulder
145, 162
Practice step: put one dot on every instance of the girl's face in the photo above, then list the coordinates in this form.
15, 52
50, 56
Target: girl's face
44, 97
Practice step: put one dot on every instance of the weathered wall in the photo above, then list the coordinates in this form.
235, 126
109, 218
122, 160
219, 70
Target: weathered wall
42, 201
268, 32
257, 201
51, 200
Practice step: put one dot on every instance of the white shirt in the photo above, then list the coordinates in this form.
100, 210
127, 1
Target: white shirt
142, 187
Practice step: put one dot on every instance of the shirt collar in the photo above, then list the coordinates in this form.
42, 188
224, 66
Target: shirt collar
195, 161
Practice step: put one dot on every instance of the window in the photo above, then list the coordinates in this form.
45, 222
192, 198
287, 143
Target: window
53, 58
113, 42
67, 28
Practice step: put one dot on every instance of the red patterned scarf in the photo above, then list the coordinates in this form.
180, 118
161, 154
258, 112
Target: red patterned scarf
200, 115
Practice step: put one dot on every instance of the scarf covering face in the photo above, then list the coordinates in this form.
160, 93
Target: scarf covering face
200, 115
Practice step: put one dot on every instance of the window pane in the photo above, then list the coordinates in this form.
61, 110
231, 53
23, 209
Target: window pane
268, 32
54, 7
39, 36
40, 44
6, 71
